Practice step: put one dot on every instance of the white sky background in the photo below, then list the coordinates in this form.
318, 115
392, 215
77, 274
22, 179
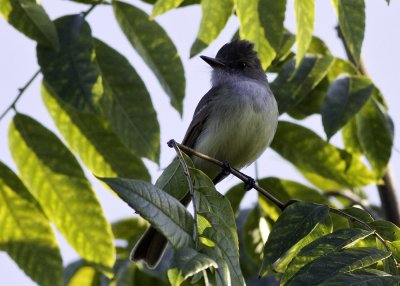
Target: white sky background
381, 53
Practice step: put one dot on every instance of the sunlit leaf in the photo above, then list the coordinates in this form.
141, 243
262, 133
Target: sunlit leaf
25, 233
162, 6
186, 263
55, 179
352, 24
345, 97
304, 12
164, 212
293, 84
327, 267
299, 224
386, 229
93, 140
155, 47
29, 17
350, 137
313, 155
217, 227
80, 273
72, 71
214, 16
251, 29
375, 133
335, 241
127, 103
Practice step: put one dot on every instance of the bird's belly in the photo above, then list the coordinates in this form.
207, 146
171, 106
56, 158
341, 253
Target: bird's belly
238, 137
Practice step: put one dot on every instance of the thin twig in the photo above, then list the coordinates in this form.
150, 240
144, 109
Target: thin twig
387, 191
232, 171
21, 92
353, 198
172, 143
34, 76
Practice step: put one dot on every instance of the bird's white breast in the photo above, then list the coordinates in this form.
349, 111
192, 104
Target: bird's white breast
242, 124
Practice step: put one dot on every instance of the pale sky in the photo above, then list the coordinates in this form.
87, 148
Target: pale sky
18, 63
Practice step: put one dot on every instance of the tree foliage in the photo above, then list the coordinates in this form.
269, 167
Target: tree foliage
104, 113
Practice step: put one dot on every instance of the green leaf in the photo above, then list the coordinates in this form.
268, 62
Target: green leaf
375, 133
285, 190
235, 196
55, 179
214, 16
93, 140
127, 104
386, 229
173, 179
350, 137
313, 155
128, 230
130, 274
253, 233
299, 224
72, 71
293, 84
80, 273
186, 263
162, 6
352, 24
345, 97
368, 277
272, 17
156, 48
164, 212
29, 17
26, 234
304, 12
360, 214
342, 238
217, 228
251, 29
318, 47
328, 266
339, 67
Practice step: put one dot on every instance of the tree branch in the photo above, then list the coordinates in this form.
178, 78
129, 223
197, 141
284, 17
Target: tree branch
387, 191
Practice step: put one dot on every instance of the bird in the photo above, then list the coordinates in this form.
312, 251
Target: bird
235, 121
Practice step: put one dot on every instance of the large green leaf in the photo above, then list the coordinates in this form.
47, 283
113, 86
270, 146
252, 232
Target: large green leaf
367, 277
329, 266
251, 29
164, 212
162, 6
127, 104
352, 24
155, 47
272, 17
186, 263
375, 133
386, 229
314, 156
217, 227
214, 16
350, 137
335, 241
72, 70
304, 12
93, 140
293, 84
285, 190
345, 97
29, 17
56, 180
81, 273
25, 233
299, 224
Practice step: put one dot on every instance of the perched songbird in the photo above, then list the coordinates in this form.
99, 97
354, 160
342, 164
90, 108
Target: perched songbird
234, 122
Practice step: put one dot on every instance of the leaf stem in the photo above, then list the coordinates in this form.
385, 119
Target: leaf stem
232, 171
172, 143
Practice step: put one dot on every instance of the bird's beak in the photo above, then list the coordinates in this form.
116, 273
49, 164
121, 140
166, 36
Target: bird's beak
214, 63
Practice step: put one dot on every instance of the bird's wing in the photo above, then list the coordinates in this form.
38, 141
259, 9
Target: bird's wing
200, 117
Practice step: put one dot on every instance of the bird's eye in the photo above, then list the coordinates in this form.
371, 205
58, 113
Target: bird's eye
242, 65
